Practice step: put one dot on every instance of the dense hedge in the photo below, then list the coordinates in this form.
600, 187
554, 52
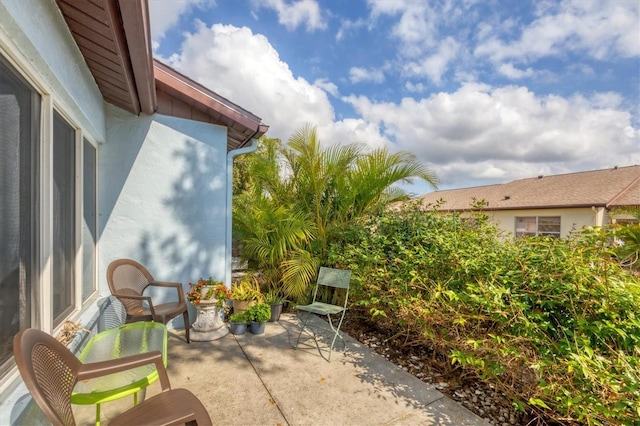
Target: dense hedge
554, 322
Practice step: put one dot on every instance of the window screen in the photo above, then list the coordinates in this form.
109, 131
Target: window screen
88, 220
19, 138
538, 225
63, 232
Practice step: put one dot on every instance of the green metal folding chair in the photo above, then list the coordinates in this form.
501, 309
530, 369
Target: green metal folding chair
328, 278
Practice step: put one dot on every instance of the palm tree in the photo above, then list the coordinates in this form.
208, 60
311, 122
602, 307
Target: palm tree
321, 190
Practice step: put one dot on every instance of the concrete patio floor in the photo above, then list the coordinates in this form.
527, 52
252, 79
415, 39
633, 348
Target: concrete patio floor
262, 380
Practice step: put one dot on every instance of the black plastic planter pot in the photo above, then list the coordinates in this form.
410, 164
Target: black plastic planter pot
238, 328
257, 327
276, 310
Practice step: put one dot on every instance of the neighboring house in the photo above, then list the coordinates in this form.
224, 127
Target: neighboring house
549, 205
104, 153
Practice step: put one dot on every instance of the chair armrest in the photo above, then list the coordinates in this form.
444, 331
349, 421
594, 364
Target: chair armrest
177, 286
103, 368
147, 299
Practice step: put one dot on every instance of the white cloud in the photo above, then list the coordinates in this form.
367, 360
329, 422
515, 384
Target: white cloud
510, 128
352, 130
292, 15
435, 65
600, 29
244, 68
347, 26
414, 87
416, 28
358, 75
513, 73
327, 86
477, 133
165, 14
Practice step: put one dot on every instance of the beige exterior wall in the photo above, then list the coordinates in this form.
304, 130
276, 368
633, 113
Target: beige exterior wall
570, 218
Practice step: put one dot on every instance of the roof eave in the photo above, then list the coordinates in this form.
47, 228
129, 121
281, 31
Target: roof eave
225, 111
137, 28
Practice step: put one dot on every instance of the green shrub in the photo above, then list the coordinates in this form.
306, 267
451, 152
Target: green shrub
553, 322
260, 312
239, 317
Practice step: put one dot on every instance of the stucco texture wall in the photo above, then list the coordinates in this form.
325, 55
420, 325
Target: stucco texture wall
162, 195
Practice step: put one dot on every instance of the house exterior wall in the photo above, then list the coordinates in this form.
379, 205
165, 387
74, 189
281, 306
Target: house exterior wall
570, 218
162, 197
38, 31
36, 43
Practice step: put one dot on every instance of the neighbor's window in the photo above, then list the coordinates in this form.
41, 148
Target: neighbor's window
626, 221
19, 177
538, 225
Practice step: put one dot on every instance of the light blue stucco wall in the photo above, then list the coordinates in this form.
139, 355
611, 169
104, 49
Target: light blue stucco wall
162, 188
163, 197
35, 38
37, 30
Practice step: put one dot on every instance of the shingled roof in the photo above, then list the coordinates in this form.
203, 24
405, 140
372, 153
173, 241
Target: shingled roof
609, 188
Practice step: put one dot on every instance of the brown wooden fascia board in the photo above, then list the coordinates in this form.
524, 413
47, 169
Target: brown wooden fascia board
99, 49
104, 73
135, 20
88, 9
122, 50
172, 80
213, 95
91, 19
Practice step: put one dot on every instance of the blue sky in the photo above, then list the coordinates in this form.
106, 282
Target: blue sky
481, 91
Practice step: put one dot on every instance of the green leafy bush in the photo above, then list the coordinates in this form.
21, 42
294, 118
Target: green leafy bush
260, 312
239, 317
553, 322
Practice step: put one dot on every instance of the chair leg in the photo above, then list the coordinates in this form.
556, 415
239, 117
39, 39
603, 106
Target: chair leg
302, 329
336, 331
187, 326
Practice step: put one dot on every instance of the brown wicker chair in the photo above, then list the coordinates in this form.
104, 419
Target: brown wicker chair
50, 372
128, 280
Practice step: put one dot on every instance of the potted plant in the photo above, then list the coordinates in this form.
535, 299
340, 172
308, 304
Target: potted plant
276, 301
245, 293
238, 323
208, 289
259, 314
209, 297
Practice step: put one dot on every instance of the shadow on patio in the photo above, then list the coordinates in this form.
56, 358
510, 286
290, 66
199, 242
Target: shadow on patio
262, 380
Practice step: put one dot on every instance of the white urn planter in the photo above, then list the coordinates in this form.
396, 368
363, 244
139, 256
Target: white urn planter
209, 324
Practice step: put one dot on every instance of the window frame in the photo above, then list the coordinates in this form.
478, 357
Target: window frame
29, 219
537, 232
86, 140
40, 298
65, 311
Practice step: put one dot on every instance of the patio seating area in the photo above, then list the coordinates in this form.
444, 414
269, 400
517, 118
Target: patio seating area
263, 380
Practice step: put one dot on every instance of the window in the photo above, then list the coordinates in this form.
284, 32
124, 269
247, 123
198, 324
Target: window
19, 138
89, 227
538, 225
626, 221
64, 218
48, 209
